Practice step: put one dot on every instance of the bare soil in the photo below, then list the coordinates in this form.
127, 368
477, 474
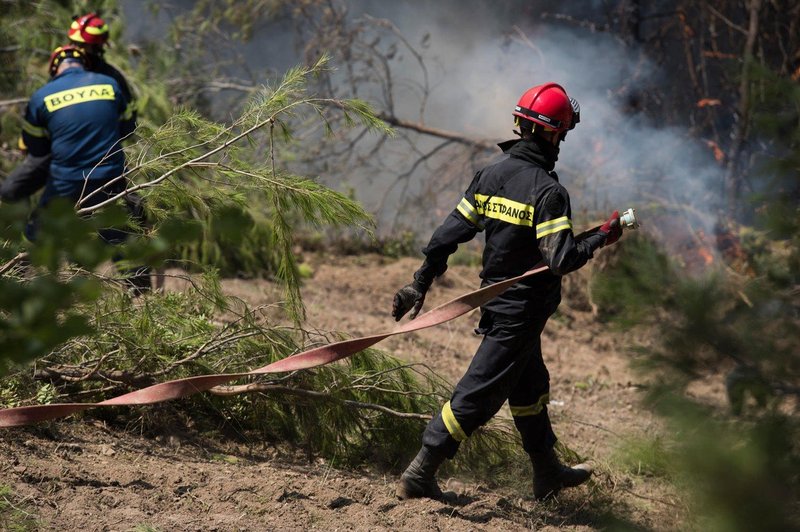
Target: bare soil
81, 475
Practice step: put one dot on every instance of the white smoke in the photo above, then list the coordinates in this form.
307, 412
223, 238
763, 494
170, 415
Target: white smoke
479, 62
613, 159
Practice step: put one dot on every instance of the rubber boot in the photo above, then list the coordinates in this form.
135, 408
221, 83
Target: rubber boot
419, 478
550, 475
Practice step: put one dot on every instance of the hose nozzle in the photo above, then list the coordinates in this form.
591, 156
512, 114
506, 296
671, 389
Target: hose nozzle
628, 219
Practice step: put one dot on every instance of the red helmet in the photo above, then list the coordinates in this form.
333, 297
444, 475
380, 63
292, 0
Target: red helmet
547, 105
88, 29
63, 53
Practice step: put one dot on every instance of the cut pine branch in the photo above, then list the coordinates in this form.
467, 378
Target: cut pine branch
258, 387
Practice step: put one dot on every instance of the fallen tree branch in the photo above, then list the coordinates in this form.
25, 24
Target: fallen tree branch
269, 388
21, 256
12, 102
450, 135
654, 499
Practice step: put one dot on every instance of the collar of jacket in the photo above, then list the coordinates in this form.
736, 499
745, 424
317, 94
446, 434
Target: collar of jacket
535, 150
70, 71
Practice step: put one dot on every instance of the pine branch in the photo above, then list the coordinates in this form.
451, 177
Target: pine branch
19, 257
257, 387
435, 132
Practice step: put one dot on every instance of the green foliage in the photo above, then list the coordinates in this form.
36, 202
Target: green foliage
207, 203
238, 16
351, 243
638, 282
333, 425
360, 410
738, 466
248, 211
776, 235
737, 463
494, 455
739, 475
36, 305
218, 195
142, 527
15, 516
403, 245
645, 457
776, 115
466, 255
166, 77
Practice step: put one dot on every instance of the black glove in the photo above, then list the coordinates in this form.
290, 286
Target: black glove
612, 228
410, 297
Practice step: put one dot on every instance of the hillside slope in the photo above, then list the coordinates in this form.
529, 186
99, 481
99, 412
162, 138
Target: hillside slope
80, 475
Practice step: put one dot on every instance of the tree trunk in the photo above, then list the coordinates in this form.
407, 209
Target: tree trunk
734, 176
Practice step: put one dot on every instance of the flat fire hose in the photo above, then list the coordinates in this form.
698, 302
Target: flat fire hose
165, 391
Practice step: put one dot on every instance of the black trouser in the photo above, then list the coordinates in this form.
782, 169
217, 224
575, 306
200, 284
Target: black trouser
507, 366
98, 191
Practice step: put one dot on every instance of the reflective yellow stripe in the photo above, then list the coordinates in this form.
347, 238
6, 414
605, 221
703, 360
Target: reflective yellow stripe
530, 410
468, 211
89, 93
95, 30
451, 423
553, 226
504, 209
34, 131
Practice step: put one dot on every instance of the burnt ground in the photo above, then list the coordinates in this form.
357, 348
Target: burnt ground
83, 475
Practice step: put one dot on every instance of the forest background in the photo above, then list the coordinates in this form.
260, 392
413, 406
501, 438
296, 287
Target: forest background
270, 130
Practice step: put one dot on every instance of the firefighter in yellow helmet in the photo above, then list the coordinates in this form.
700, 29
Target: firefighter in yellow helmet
89, 33
72, 133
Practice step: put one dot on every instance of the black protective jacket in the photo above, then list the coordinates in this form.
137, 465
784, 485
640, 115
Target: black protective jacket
526, 215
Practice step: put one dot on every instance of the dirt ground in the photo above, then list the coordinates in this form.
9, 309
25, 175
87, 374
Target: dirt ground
71, 475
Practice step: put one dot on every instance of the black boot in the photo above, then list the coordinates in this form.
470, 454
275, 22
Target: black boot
550, 475
419, 478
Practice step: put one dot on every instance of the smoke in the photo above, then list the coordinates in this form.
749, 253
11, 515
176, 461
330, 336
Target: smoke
479, 63
615, 158
479, 60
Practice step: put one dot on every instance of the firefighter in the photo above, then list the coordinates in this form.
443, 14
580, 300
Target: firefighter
89, 33
78, 119
527, 219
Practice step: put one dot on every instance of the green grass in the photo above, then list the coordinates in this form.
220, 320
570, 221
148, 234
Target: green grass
14, 515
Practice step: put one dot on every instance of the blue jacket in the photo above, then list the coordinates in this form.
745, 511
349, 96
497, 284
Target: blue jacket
79, 117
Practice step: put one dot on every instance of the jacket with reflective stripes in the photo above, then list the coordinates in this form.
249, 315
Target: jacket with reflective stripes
79, 118
526, 216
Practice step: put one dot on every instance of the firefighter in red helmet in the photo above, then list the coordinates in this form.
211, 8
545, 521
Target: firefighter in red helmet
526, 216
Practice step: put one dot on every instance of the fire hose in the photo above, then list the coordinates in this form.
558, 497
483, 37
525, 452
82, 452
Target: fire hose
165, 391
